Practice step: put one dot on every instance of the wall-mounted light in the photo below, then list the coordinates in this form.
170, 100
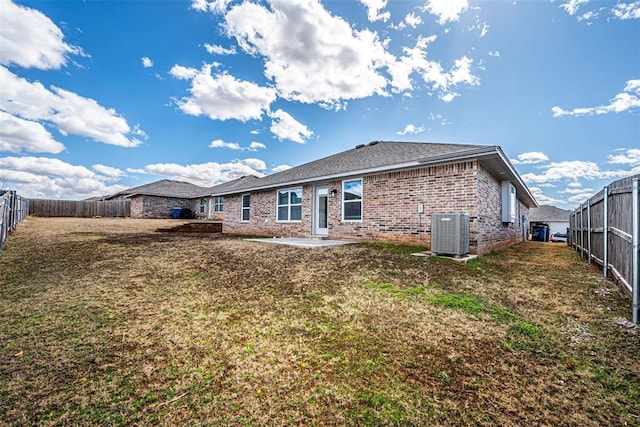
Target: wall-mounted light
334, 192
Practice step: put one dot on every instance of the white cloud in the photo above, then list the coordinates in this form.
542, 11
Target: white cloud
284, 126
412, 129
315, 57
588, 16
571, 170
412, 20
624, 101
184, 73
215, 6
29, 39
373, 10
576, 190
221, 96
484, 29
281, 168
218, 143
108, 171
531, 157
438, 117
620, 10
627, 10
450, 96
146, 62
18, 135
432, 72
311, 55
256, 164
446, 10
572, 6
254, 146
136, 170
71, 113
494, 53
541, 198
219, 50
628, 157
42, 177
580, 198
207, 174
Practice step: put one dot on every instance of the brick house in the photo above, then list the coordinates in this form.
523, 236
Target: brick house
157, 199
383, 191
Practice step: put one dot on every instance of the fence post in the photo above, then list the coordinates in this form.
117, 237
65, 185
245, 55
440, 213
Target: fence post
582, 231
605, 225
589, 230
635, 280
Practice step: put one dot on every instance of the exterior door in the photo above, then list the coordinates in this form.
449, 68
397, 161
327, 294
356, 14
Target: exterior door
321, 203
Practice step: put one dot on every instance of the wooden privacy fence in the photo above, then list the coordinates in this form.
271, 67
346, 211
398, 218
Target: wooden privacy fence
606, 230
79, 209
13, 209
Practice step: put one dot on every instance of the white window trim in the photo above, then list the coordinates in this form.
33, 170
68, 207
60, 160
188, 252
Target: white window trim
289, 205
361, 200
216, 205
242, 208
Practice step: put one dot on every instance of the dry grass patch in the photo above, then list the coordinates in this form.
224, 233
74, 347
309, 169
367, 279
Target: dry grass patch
105, 321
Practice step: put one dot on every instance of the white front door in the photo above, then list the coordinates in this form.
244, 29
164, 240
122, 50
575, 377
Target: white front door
320, 211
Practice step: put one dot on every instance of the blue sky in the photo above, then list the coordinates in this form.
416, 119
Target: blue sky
96, 97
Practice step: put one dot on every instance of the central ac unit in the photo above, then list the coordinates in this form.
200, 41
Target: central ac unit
449, 234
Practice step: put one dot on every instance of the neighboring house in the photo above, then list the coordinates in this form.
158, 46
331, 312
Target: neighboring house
556, 219
383, 191
159, 198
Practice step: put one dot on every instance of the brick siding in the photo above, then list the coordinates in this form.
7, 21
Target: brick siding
160, 207
390, 208
493, 233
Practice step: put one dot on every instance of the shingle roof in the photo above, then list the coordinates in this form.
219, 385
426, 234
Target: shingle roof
548, 213
237, 184
377, 154
165, 188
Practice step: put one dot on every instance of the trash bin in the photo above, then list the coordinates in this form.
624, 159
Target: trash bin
177, 212
540, 233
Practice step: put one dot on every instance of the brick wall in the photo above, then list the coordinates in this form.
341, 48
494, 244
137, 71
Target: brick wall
390, 203
390, 208
262, 215
492, 232
160, 207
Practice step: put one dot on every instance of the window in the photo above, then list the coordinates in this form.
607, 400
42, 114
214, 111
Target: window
246, 207
290, 205
218, 204
352, 200
203, 205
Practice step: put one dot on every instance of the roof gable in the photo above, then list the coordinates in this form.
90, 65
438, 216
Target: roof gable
549, 213
165, 188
